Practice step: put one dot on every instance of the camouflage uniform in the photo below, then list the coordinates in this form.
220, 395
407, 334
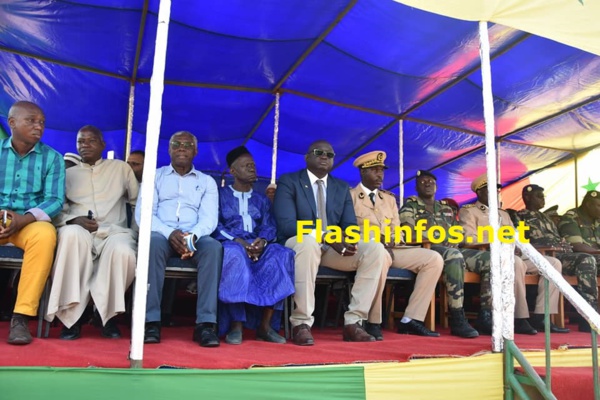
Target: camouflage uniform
455, 259
578, 227
474, 215
543, 232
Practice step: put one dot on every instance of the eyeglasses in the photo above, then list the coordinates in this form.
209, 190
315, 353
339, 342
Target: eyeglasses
319, 153
186, 145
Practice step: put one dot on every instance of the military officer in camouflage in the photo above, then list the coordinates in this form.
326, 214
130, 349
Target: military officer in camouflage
379, 208
544, 233
473, 215
581, 226
440, 213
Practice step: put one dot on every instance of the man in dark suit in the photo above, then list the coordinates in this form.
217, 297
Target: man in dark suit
319, 199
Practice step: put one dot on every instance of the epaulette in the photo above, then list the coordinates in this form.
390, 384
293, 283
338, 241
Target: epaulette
387, 192
411, 198
468, 206
571, 213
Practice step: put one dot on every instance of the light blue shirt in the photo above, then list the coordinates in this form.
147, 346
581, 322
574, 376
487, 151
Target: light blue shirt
189, 203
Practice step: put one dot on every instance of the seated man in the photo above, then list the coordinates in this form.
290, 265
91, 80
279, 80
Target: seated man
581, 228
184, 214
255, 271
471, 217
136, 162
96, 251
323, 202
379, 208
456, 260
543, 233
32, 190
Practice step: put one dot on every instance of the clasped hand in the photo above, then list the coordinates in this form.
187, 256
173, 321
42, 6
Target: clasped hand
254, 249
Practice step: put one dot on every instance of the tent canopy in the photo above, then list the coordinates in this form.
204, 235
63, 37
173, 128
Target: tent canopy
347, 71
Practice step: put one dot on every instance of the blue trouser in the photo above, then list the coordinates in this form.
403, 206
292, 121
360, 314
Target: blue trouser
208, 260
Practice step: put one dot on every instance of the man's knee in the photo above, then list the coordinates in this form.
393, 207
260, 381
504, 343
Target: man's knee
209, 245
434, 260
46, 232
520, 267
303, 243
555, 262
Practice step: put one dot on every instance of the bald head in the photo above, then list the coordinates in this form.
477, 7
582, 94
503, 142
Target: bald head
21, 106
26, 121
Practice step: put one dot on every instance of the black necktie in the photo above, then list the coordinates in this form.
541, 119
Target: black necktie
372, 196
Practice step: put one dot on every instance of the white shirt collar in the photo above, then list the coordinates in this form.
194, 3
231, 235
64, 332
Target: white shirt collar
313, 178
367, 191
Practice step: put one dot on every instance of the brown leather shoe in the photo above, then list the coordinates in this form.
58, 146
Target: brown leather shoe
301, 335
19, 330
356, 333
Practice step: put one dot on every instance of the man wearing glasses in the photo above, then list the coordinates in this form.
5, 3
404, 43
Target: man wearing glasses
314, 196
184, 214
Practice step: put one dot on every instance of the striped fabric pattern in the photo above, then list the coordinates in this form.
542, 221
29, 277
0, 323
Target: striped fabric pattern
36, 180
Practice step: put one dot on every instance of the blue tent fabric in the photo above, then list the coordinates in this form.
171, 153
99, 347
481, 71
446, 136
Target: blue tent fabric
347, 71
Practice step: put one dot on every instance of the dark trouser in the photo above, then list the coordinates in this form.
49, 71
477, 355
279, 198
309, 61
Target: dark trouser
208, 260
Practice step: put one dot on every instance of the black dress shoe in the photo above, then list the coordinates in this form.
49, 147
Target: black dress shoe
71, 333
374, 330
537, 322
234, 337
414, 327
111, 330
205, 335
522, 326
152, 332
270, 336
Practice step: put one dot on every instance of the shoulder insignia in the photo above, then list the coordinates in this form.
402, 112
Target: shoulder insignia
468, 206
444, 202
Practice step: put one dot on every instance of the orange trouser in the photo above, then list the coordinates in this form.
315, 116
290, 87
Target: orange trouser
38, 241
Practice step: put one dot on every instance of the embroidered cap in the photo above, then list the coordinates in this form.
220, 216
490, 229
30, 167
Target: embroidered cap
370, 160
480, 182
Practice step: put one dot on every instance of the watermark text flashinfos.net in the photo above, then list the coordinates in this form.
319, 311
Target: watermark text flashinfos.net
435, 234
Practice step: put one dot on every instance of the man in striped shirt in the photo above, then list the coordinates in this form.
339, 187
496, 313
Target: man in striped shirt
32, 191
